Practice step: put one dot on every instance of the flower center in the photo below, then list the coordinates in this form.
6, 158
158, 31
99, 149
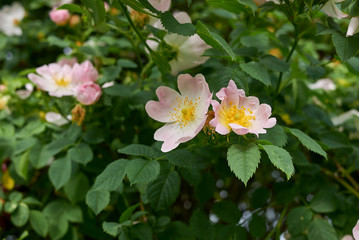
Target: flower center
184, 111
16, 22
62, 82
241, 116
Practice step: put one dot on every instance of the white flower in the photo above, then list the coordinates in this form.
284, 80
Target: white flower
326, 84
10, 18
331, 9
57, 119
58, 3
353, 27
189, 50
342, 118
23, 94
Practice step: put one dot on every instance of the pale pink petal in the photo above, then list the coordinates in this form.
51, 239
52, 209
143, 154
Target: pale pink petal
347, 237
356, 231
182, 17
331, 9
160, 110
84, 72
270, 123
230, 90
240, 130
88, 93
326, 84
161, 5
222, 129
192, 87
353, 27
68, 61
59, 17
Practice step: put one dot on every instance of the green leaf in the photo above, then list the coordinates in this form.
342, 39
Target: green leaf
320, 229
346, 47
257, 71
307, 141
77, 187
141, 231
324, 202
126, 215
142, 171
257, 226
32, 128
22, 164
81, 153
111, 178
39, 156
200, 226
60, 172
111, 228
298, 220
243, 160
15, 197
96, 9
181, 158
25, 144
354, 9
275, 135
58, 227
138, 150
73, 8
274, 64
214, 39
21, 215
250, 4
97, 200
172, 25
39, 223
227, 211
160, 62
58, 42
164, 190
280, 158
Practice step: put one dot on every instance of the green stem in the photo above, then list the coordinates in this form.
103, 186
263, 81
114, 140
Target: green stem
278, 226
287, 59
341, 181
124, 10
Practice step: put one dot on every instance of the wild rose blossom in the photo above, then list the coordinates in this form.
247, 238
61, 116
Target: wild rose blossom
240, 113
189, 50
57, 119
59, 17
184, 113
356, 231
325, 83
88, 93
62, 79
10, 18
331, 9
161, 5
353, 27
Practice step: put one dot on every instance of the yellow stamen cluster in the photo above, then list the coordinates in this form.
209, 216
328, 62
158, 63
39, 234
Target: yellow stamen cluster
62, 82
241, 116
16, 22
184, 110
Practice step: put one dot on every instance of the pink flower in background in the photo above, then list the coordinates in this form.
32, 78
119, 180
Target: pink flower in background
88, 93
84, 72
62, 79
189, 50
58, 3
57, 119
55, 79
161, 5
240, 113
347, 237
356, 231
10, 18
184, 114
60, 17
25, 93
68, 61
331, 9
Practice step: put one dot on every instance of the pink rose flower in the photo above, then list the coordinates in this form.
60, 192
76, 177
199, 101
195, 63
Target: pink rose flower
240, 113
88, 93
68, 61
356, 231
59, 17
184, 114
84, 72
161, 5
55, 79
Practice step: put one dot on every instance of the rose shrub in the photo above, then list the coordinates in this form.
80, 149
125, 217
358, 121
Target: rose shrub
173, 120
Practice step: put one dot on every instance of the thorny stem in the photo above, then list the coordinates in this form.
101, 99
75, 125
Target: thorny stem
341, 181
124, 10
279, 224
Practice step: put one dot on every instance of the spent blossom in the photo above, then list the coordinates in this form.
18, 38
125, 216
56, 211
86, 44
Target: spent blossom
240, 113
10, 18
184, 113
189, 50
